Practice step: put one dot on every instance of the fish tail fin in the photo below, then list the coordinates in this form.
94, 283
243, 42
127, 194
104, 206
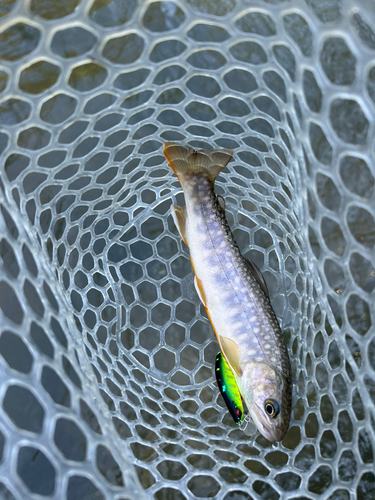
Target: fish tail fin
185, 161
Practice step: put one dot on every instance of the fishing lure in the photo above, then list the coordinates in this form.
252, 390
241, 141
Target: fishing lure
228, 389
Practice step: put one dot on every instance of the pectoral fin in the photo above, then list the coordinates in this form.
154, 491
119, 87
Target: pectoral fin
200, 291
230, 351
179, 218
257, 275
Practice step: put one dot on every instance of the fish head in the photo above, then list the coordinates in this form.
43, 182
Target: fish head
267, 397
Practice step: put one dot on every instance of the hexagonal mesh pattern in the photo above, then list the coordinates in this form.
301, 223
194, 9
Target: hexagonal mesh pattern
106, 355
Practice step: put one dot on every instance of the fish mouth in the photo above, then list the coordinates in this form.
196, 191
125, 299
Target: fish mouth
272, 433
275, 434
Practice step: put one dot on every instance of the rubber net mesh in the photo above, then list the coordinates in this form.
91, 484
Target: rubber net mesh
106, 366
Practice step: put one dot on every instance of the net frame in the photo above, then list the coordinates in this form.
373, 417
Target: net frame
127, 376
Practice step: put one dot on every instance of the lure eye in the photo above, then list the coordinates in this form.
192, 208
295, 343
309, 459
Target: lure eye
238, 413
272, 408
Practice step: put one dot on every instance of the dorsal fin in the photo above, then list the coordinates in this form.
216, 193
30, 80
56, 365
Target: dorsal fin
230, 350
255, 271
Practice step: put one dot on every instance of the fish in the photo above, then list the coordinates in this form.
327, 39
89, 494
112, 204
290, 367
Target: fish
233, 291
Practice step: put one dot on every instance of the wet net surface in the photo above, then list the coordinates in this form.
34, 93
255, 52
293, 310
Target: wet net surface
106, 355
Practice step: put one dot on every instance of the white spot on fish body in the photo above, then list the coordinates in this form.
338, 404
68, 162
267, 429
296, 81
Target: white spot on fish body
228, 266
206, 255
214, 269
235, 314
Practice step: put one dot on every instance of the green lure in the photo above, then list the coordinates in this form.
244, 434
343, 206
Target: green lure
228, 388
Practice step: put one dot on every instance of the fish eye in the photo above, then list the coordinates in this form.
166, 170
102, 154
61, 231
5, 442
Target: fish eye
272, 408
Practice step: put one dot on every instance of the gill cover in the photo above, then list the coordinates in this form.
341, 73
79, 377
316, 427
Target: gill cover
228, 388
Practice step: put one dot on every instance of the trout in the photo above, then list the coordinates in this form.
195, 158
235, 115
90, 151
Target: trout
233, 292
